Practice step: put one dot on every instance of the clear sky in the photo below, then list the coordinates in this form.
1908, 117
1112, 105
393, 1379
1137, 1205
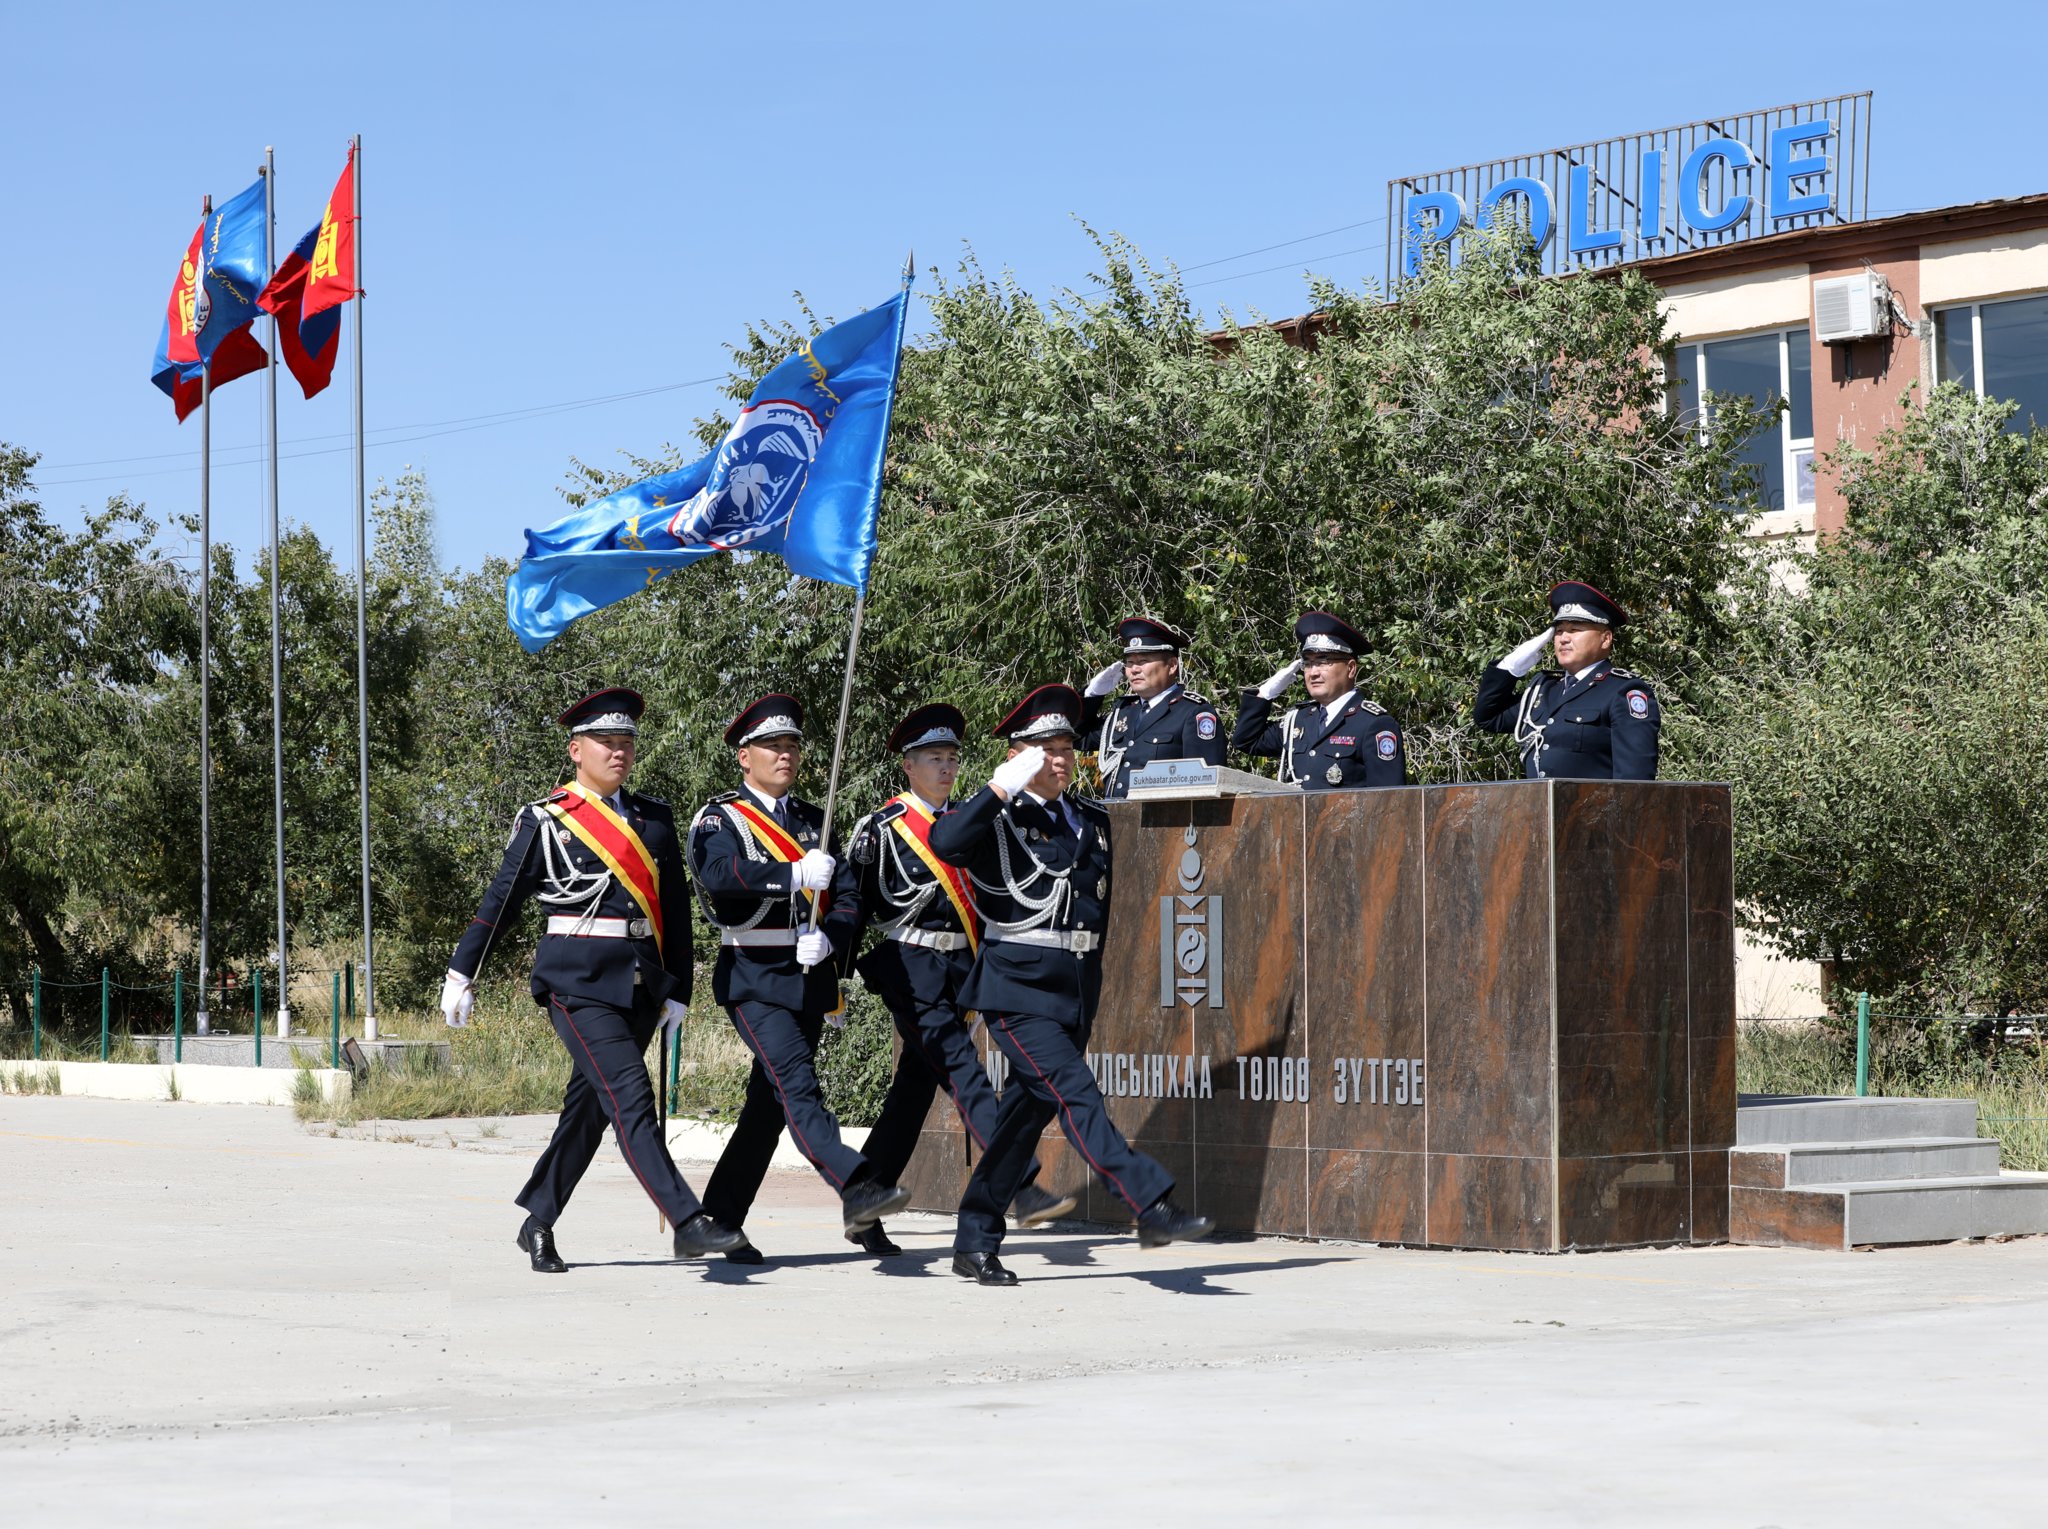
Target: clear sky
563, 203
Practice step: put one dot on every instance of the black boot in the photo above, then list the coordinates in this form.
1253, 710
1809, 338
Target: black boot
537, 1242
700, 1236
982, 1268
875, 1240
745, 1253
1034, 1206
869, 1200
1165, 1222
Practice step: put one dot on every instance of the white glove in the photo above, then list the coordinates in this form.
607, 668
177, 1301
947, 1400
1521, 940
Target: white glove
458, 997
814, 872
813, 948
672, 1016
1106, 681
1014, 774
1523, 659
1275, 687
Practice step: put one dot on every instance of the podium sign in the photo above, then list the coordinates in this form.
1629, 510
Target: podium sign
1479, 1016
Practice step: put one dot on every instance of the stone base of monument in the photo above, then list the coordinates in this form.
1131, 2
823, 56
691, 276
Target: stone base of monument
1481, 1016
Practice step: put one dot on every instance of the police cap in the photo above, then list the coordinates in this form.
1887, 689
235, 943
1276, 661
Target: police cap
775, 715
1050, 711
1321, 632
605, 711
1141, 634
1573, 601
925, 726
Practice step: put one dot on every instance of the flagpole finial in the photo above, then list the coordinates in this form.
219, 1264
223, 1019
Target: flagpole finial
909, 269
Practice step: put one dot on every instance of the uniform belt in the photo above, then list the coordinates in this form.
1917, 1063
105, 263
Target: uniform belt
600, 928
757, 937
1078, 941
931, 939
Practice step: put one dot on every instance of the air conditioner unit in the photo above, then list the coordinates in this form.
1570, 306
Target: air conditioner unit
1851, 308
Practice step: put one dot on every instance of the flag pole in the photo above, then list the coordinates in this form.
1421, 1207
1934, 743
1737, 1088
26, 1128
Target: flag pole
860, 603
355, 158
201, 1017
284, 1016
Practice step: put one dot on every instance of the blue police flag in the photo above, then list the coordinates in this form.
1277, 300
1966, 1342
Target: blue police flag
235, 266
799, 474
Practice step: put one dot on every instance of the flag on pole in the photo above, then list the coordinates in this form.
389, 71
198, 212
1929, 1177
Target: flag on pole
311, 342
234, 267
799, 474
331, 277
177, 365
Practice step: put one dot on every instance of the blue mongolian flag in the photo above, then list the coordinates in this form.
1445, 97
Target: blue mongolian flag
234, 266
799, 474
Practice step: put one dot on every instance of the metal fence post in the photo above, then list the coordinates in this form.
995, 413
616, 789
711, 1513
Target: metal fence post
256, 983
178, 1014
35, 1010
334, 1025
106, 1013
348, 989
1862, 1044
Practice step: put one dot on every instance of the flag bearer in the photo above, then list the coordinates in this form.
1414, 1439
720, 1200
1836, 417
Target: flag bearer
613, 963
924, 910
1586, 720
1334, 738
1159, 719
1040, 863
762, 864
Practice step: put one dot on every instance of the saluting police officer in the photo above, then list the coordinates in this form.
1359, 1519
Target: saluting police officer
613, 963
1587, 720
924, 910
761, 860
1334, 738
1159, 719
1040, 862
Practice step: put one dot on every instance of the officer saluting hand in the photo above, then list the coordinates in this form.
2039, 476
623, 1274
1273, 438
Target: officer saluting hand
1585, 721
1040, 863
613, 962
1336, 737
1159, 719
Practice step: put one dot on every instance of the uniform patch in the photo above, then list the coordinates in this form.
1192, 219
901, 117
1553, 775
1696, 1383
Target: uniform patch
1205, 725
1638, 704
1334, 775
1386, 743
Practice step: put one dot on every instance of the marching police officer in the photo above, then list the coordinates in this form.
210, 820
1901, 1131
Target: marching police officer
1587, 720
1159, 719
761, 865
1334, 738
1040, 864
613, 963
924, 910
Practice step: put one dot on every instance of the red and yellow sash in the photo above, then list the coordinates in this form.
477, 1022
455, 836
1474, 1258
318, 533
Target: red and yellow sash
915, 825
611, 838
775, 839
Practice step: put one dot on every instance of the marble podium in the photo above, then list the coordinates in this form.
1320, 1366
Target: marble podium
1477, 1016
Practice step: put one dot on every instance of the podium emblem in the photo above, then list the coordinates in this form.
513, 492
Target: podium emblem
1191, 936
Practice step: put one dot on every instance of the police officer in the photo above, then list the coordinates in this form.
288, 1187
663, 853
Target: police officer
1587, 720
924, 911
1159, 719
1334, 738
1040, 864
613, 963
761, 864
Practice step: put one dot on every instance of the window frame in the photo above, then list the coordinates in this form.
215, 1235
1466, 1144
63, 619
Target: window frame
1975, 307
1789, 448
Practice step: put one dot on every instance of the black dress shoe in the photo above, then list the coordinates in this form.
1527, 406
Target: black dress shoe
701, 1236
875, 1240
1165, 1222
869, 1201
1034, 1206
537, 1242
744, 1253
982, 1268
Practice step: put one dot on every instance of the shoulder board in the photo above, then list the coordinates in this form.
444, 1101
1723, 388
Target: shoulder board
648, 801
1198, 700
1372, 706
559, 794
888, 813
1088, 804
722, 798
1626, 674
708, 816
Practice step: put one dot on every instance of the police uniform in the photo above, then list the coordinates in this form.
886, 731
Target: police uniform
615, 946
1598, 724
1134, 731
1041, 872
930, 931
741, 850
1359, 744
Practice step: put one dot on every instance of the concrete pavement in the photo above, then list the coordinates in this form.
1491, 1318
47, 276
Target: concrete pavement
214, 1315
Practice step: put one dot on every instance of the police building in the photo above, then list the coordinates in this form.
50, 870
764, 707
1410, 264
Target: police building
1778, 284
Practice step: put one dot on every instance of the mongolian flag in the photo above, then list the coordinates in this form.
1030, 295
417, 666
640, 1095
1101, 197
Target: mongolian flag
331, 264
310, 342
177, 364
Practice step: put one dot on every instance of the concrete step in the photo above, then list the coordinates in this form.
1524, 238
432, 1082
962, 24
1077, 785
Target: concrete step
1879, 1212
1797, 1165
1771, 1119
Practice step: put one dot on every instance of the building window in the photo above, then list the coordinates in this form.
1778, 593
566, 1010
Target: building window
1763, 368
1998, 350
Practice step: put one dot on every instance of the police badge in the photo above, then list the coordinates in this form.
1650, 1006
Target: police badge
1101, 888
1334, 775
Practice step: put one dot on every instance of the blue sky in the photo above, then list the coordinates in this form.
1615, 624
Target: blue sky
568, 203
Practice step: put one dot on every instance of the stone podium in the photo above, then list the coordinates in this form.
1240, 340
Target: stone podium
1475, 1016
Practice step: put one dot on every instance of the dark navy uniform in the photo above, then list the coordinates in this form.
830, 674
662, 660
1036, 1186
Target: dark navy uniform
1042, 877
1134, 731
777, 1007
600, 974
1600, 724
1360, 746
